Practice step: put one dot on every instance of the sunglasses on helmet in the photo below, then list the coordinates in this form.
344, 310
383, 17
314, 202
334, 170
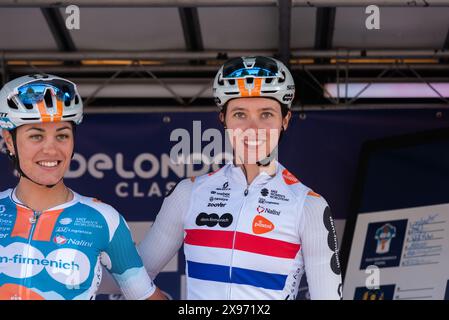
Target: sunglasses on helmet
34, 92
262, 67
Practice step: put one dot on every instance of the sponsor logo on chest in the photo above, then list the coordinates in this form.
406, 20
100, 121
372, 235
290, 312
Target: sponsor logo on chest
62, 240
219, 196
213, 219
78, 226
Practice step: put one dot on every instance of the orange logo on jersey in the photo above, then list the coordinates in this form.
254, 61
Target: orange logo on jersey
313, 194
11, 291
262, 225
289, 178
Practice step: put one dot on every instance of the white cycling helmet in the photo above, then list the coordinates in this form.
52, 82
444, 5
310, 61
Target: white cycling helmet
253, 77
39, 98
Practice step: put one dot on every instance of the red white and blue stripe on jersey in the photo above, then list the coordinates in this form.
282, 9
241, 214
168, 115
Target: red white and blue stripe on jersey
243, 242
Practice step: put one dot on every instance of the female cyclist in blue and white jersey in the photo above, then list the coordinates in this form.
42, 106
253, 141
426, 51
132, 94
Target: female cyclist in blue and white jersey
53, 240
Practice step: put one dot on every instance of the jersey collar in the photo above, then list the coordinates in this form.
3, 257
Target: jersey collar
236, 173
76, 198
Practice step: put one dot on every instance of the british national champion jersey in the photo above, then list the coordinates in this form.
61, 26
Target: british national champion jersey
245, 241
57, 254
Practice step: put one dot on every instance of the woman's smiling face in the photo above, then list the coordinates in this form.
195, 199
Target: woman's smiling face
254, 125
45, 150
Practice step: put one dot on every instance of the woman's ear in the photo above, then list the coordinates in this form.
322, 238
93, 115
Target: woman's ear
8, 141
222, 119
286, 120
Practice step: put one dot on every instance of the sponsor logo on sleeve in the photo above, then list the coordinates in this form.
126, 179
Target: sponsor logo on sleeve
332, 240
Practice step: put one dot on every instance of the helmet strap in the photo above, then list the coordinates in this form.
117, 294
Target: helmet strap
273, 154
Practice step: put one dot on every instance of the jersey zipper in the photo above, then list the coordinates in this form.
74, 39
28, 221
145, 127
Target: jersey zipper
245, 193
33, 220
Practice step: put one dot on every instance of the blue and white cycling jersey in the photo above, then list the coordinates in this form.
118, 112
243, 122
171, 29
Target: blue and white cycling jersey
57, 254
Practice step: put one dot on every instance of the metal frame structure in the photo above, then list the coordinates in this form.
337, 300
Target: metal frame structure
312, 68
220, 3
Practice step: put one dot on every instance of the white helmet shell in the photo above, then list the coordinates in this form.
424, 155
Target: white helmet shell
253, 79
14, 113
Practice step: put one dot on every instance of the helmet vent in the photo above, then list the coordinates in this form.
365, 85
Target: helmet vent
12, 104
220, 80
231, 82
28, 106
283, 77
48, 99
268, 80
250, 80
77, 99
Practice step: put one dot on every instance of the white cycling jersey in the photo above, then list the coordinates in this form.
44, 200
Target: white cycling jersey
246, 242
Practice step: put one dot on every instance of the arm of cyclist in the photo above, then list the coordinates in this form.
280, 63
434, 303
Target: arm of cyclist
121, 259
319, 245
165, 237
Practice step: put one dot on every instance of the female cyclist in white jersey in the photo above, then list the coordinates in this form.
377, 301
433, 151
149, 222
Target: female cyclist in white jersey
53, 240
250, 230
